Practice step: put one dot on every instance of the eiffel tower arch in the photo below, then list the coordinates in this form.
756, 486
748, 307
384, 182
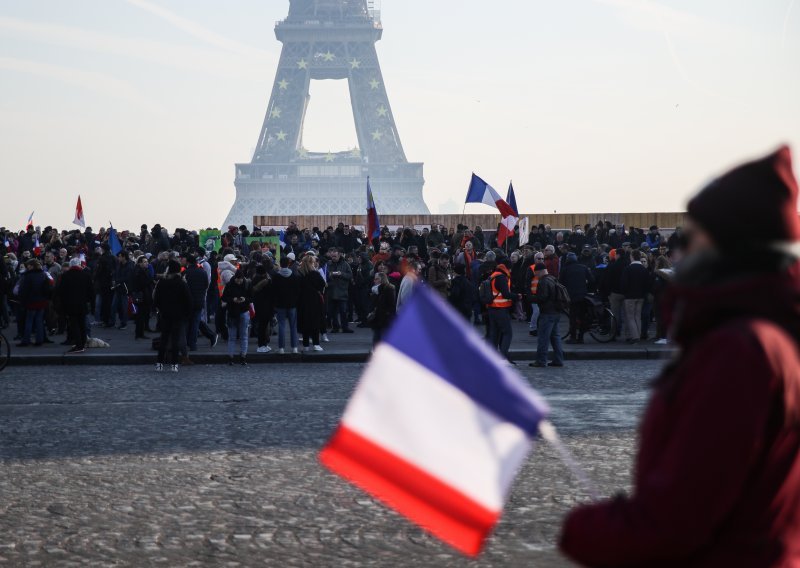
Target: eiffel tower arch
327, 39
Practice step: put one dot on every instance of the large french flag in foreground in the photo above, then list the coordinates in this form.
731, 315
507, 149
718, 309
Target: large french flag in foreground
438, 425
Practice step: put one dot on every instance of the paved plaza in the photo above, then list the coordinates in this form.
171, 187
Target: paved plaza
110, 466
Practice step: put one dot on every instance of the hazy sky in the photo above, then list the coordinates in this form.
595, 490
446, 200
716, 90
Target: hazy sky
143, 106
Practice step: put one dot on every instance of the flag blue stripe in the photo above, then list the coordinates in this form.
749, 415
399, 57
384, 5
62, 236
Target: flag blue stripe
431, 333
476, 191
512, 200
113, 241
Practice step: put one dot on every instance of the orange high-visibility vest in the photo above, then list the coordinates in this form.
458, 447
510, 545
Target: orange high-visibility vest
534, 285
498, 300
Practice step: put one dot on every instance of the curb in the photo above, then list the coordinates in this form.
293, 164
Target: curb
114, 359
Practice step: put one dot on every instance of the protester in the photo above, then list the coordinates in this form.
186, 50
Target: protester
142, 292
75, 293
499, 310
264, 306
578, 281
549, 317
173, 300
408, 283
286, 293
716, 477
339, 276
35, 290
384, 304
121, 286
311, 302
237, 297
635, 285
197, 279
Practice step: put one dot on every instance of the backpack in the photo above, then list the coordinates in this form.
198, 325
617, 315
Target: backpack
561, 296
485, 294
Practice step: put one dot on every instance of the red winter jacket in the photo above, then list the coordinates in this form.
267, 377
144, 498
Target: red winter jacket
717, 476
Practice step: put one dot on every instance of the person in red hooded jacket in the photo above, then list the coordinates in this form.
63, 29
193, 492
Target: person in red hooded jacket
717, 475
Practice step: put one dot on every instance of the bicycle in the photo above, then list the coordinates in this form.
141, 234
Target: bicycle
5, 351
601, 322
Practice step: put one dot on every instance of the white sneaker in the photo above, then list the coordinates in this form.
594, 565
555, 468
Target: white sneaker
281, 351
173, 368
294, 350
318, 348
662, 342
159, 367
325, 337
263, 349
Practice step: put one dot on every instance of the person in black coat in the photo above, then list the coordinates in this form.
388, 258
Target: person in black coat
311, 304
236, 298
173, 301
578, 280
384, 301
286, 295
263, 303
635, 284
75, 294
102, 278
197, 280
123, 280
142, 292
462, 292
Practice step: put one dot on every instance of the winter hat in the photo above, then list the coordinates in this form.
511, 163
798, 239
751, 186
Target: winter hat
290, 256
74, 262
762, 193
230, 258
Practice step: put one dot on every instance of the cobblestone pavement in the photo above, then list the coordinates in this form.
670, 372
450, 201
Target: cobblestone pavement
122, 466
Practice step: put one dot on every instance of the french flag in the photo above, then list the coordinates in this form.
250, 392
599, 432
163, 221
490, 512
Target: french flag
481, 192
438, 425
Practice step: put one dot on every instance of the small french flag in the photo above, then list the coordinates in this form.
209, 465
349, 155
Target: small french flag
438, 425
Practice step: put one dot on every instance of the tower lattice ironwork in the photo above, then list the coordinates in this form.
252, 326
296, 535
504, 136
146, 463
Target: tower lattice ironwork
327, 39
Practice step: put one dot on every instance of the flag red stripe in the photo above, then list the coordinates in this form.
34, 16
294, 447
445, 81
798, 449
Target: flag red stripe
445, 512
505, 209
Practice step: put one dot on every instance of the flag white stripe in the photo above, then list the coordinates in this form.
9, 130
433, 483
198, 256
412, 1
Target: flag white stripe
418, 416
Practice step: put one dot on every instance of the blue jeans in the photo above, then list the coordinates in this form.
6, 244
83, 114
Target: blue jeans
197, 325
337, 312
119, 305
283, 315
34, 321
238, 332
548, 334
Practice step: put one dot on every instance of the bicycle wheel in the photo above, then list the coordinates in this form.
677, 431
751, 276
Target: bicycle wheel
5, 352
604, 329
563, 324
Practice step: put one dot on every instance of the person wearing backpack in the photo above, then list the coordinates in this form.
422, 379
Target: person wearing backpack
499, 309
550, 308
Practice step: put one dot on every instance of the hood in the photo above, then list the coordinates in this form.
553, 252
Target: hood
225, 265
693, 310
285, 272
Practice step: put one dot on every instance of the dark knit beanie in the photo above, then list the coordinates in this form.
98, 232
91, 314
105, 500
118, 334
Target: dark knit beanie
761, 194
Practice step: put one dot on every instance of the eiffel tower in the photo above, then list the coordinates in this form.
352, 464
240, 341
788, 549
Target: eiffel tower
327, 39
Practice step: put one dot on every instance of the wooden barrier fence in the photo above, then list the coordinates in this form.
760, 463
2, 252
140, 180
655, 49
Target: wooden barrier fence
487, 222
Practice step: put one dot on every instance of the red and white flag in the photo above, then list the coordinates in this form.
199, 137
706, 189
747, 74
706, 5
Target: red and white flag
79, 220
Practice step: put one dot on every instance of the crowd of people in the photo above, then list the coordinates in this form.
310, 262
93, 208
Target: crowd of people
317, 282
